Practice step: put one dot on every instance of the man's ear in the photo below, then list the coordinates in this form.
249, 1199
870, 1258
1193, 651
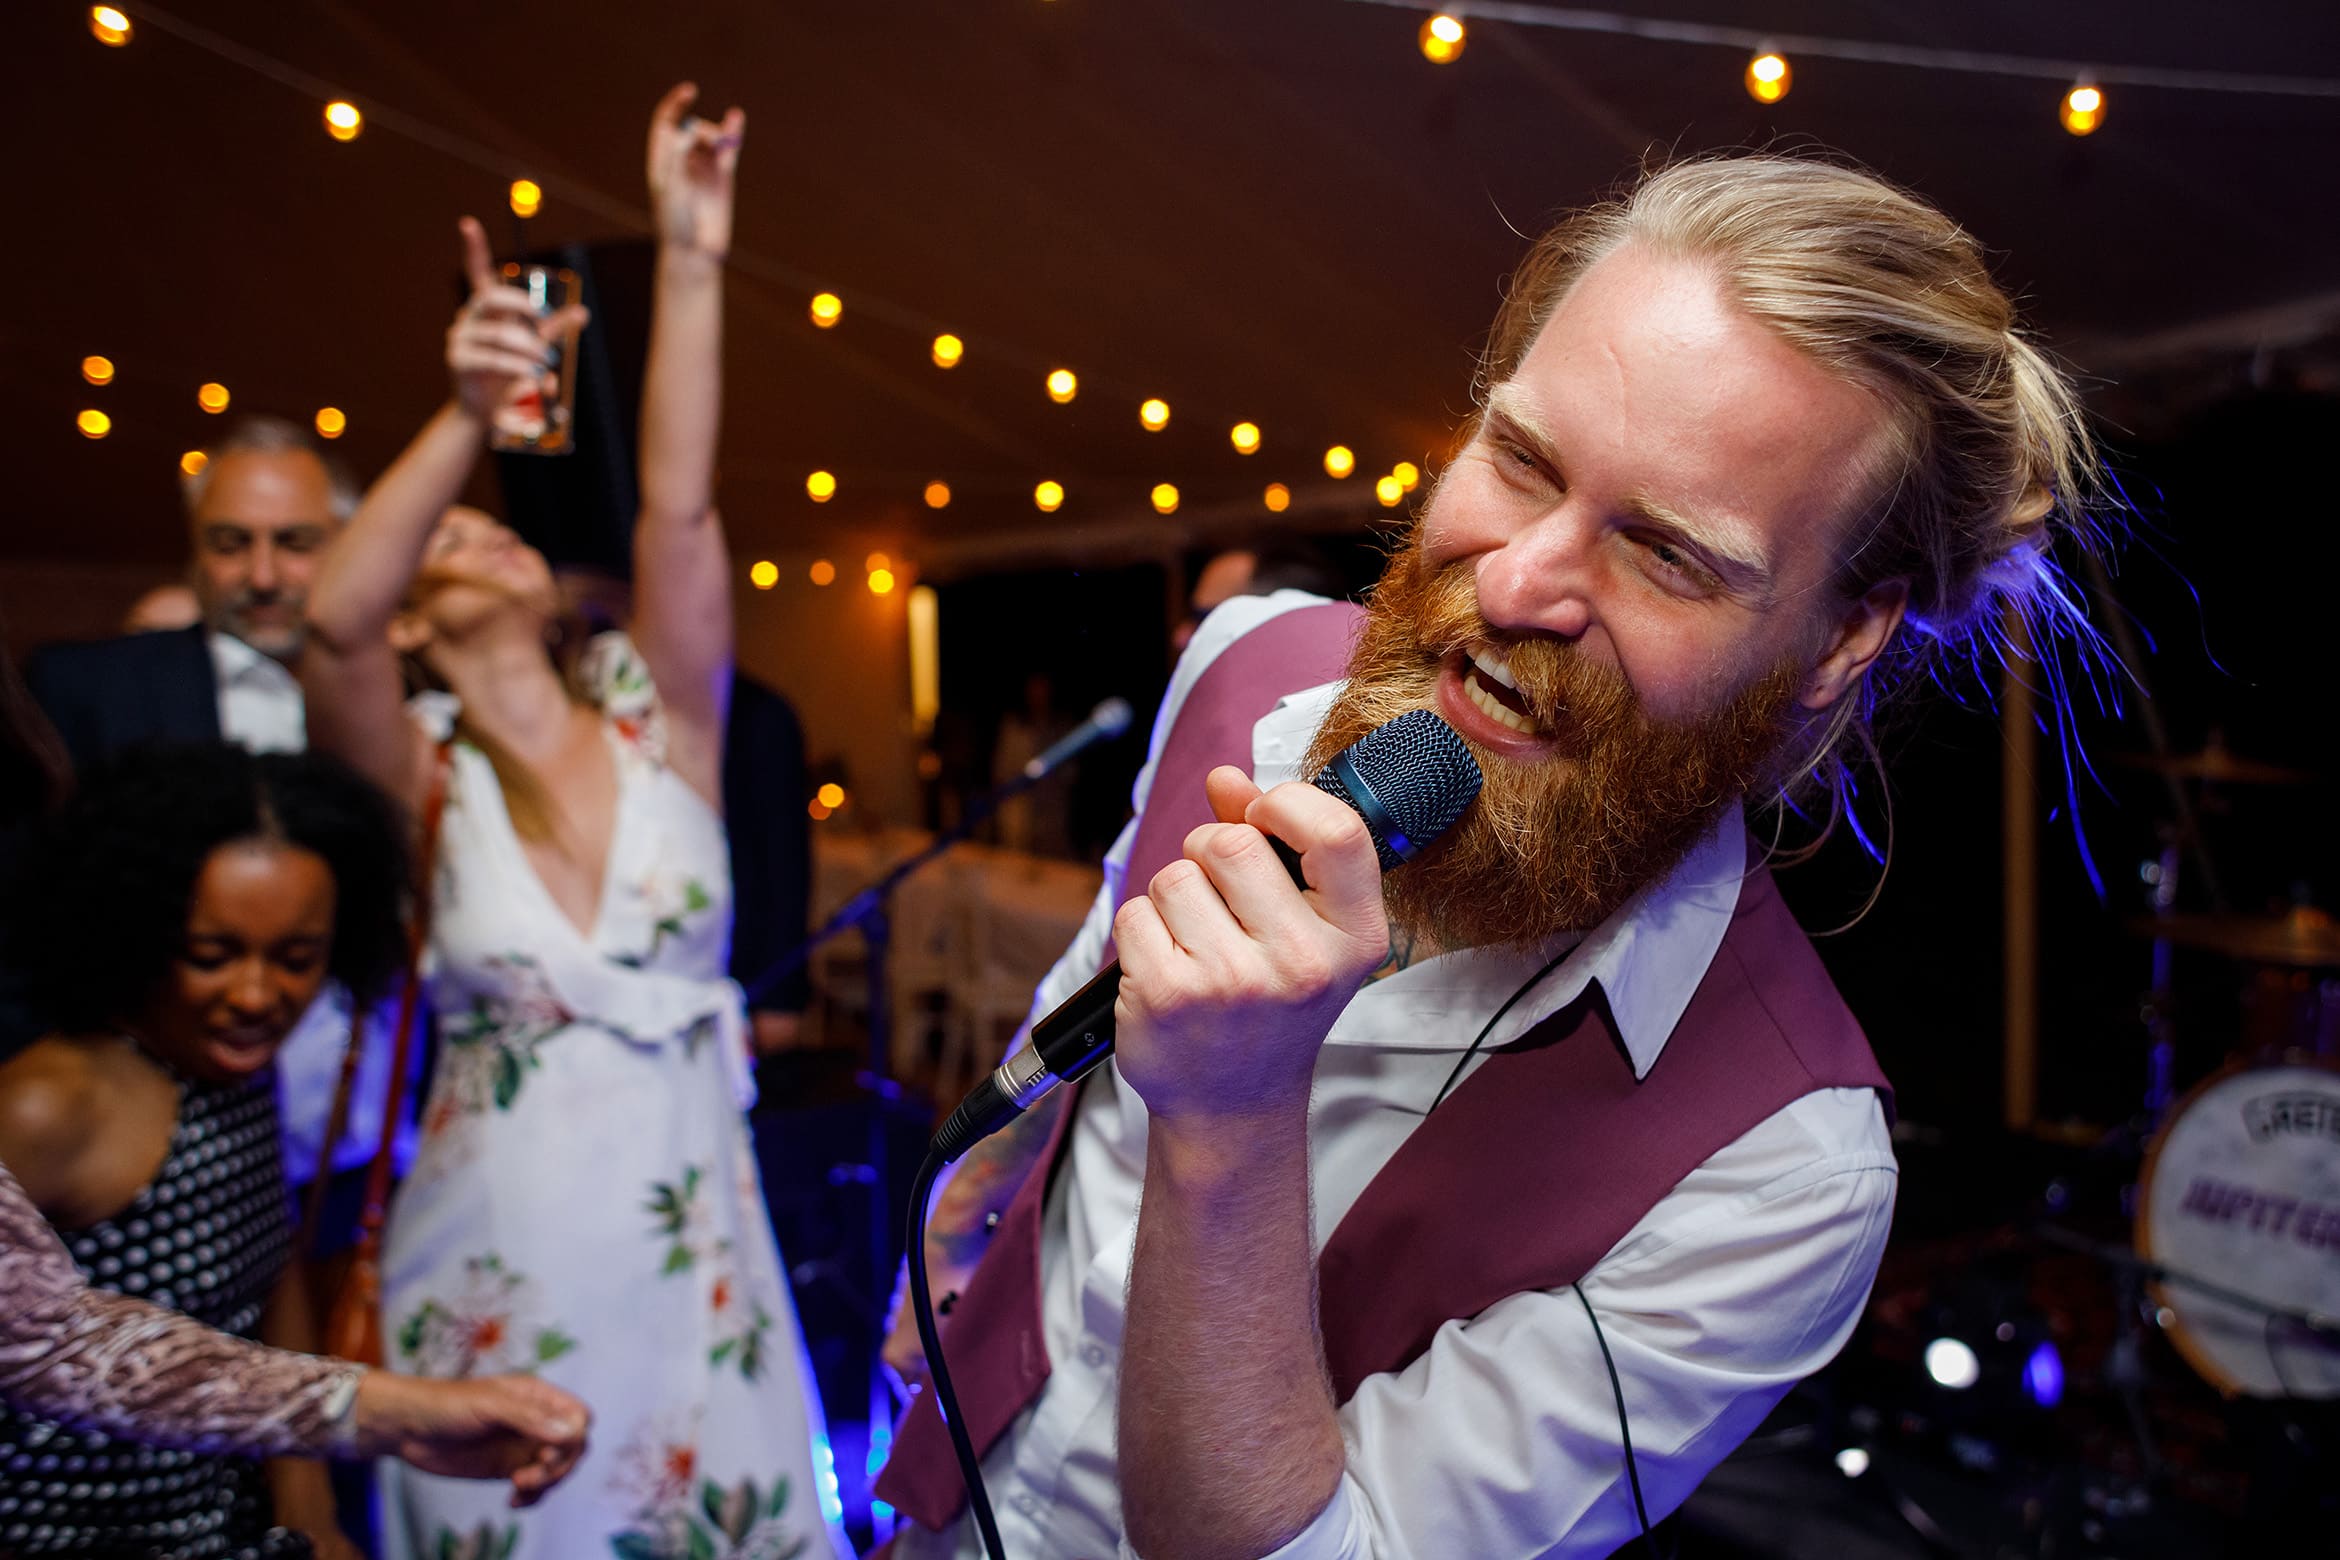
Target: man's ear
1858, 638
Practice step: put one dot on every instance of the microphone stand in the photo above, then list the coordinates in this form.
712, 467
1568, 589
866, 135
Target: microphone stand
867, 912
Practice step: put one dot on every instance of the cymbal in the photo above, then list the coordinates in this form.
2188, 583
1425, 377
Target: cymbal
2304, 939
2216, 766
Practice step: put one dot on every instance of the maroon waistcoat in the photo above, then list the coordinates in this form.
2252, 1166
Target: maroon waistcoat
1524, 1178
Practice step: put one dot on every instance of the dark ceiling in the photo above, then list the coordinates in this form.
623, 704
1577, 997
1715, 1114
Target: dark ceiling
1265, 209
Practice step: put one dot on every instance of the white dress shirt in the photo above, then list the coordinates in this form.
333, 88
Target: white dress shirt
260, 708
260, 704
1501, 1439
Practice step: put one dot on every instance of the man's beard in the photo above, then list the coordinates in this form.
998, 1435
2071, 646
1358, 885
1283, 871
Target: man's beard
279, 642
1558, 845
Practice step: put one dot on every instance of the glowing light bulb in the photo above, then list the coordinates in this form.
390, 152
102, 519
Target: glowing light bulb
823, 572
343, 121
94, 424
880, 581
1768, 77
527, 197
1339, 461
826, 309
1442, 39
763, 574
1155, 414
97, 370
331, 420
1278, 498
1408, 474
193, 462
1390, 491
2083, 109
109, 26
938, 495
1062, 385
1048, 496
213, 397
1165, 498
1245, 437
832, 795
877, 562
948, 349
1952, 1364
818, 810
820, 487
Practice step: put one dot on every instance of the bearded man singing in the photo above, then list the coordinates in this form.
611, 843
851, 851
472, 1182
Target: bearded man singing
1388, 1176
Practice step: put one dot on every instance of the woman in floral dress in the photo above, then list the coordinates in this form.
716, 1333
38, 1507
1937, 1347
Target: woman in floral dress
585, 1203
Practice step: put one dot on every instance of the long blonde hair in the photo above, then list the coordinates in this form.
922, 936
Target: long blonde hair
1990, 467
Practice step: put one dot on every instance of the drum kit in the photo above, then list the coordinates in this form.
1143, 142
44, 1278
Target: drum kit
2237, 1199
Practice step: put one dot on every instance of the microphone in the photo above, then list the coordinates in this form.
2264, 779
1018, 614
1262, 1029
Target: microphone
1109, 719
1409, 780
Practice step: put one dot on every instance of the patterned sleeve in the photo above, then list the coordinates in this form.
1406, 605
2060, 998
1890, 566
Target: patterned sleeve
102, 1361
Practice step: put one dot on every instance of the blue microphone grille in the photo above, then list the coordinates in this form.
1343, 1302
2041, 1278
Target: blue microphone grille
1420, 775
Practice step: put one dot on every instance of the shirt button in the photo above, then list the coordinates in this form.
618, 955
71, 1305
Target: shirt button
1094, 1355
1029, 1505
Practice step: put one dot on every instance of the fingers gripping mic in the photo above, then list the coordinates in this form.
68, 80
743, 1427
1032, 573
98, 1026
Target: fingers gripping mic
1409, 780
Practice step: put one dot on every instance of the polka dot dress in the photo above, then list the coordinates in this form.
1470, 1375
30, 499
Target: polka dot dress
207, 1237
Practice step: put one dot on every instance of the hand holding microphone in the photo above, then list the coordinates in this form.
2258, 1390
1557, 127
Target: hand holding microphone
1232, 976
1390, 794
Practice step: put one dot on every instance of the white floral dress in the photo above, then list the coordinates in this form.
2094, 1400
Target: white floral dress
585, 1203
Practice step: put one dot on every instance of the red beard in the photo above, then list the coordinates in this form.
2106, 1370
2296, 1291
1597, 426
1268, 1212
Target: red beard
1559, 845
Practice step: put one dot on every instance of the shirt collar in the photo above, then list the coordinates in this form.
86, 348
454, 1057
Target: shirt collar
235, 661
1648, 957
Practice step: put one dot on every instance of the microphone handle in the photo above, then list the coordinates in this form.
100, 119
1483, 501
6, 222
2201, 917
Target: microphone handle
1065, 1047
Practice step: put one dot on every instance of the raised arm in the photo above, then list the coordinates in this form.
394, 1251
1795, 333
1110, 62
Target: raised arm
496, 352
682, 586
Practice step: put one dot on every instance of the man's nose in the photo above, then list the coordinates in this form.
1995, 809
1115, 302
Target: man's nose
1541, 577
264, 576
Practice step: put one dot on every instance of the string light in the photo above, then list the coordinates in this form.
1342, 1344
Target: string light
1408, 474
94, 424
1278, 498
1442, 39
1339, 461
1389, 490
527, 197
343, 121
2083, 109
1768, 77
1245, 437
877, 563
823, 571
109, 26
1155, 414
881, 581
938, 495
193, 462
1048, 496
97, 370
763, 574
948, 349
212, 398
1165, 499
819, 810
832, 796
820, 487
826, 309
1062, 386
330, 422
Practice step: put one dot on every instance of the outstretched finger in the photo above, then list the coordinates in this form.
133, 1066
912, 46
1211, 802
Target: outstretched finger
561, 321
478, 267
671, 108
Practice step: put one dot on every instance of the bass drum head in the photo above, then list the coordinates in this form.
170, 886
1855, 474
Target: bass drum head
2242, 1189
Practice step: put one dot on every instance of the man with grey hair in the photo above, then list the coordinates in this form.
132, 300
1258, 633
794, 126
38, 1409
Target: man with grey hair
262, 503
